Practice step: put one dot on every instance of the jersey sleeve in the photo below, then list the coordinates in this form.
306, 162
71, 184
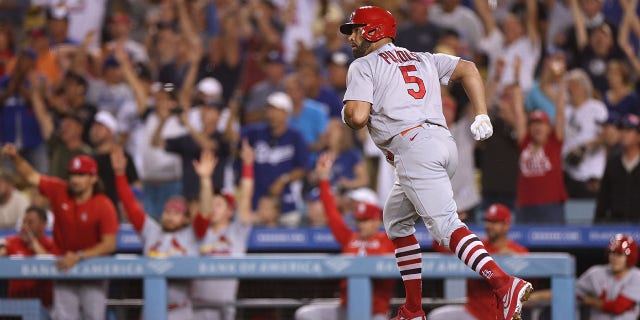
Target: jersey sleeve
445, 64
52, 187
359, 82
338, 227
134, 212
584, 284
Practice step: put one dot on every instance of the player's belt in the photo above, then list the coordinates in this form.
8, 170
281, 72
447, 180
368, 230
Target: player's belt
403, 133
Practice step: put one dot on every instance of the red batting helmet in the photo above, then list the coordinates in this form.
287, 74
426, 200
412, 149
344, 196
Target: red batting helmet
378, 23
625, 244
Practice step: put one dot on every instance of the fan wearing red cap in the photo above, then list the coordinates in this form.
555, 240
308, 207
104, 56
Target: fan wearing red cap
365, 241
172, 236
541, 191
480, 304
86, 225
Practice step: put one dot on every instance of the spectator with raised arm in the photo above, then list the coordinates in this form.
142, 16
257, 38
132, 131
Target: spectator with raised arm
86, 225
64, 139
31, 240
18, 124
515, 38
366, 240
225, 233
540, 190
583, 153
172, 236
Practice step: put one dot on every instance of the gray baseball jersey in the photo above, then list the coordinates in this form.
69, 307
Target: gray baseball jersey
230, 242
598, 281
403, 88
161, 244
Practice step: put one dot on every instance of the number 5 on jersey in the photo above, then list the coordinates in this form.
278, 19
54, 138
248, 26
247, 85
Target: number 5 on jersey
419, 94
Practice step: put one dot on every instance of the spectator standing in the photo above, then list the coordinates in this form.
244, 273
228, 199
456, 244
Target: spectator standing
540, 191
171, 237
620, 97
308, 116
545, 89
315, 88
418, 34
366, 240
58, 27
120, 26
103, 137
109, 92
46, 59
63, 142
86, 225
451, 14
19, 125
480, 304
30, 241
337, 66
12, 202
71, 98
618, 200
516, 42
281, 158
190, 146
274, 68
348, 171
223, 234
582, 151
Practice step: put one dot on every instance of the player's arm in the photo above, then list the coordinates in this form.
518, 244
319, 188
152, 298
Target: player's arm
23, 168
468, 75
339, 228
355, 113
247, 183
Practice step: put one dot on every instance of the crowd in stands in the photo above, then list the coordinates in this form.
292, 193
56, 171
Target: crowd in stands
178, 113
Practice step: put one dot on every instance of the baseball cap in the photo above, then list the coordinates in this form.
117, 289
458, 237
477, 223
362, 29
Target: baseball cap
539, 115
363, 195
366, 211
498, 213
176, 203
629, 121
107, 119
83, 165
281, 101
58, 13
110, 62
211, 89
168, 87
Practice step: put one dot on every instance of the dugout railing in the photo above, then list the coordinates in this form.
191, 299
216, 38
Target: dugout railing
559, 267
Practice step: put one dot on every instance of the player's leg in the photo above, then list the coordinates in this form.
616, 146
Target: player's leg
424, 166
66, 303
320, 311
93, 299
399, 218
450, 312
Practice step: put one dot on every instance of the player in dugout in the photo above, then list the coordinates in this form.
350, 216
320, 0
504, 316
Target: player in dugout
367, 240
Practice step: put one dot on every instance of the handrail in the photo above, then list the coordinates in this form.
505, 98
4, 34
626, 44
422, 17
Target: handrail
560, 267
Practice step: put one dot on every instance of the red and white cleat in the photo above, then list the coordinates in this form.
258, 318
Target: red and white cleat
403, 314
517, 293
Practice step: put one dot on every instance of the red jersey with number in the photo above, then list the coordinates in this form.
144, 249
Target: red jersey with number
540, 178
352, 244
41, 289
78, 226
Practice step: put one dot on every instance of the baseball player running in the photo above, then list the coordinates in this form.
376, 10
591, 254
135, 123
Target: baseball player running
396, 94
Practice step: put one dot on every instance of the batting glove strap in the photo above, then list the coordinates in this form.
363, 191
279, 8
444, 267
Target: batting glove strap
481, 127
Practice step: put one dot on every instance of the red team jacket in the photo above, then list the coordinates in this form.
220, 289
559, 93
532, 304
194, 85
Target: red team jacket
378, 244
41, 289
